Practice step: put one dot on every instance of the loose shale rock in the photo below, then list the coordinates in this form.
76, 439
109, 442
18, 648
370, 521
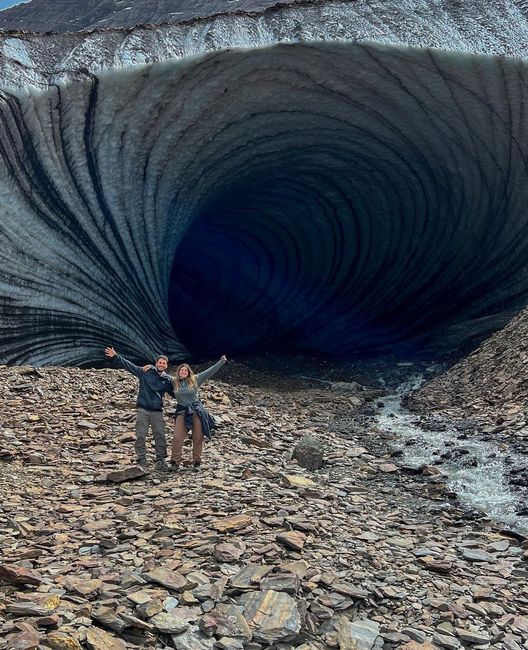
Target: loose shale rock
252, 551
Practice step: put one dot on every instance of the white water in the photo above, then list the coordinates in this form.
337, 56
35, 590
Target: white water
483, 487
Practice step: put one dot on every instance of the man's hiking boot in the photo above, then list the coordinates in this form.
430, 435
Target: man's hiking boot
174, 466
142, 464
196, 465
161, 466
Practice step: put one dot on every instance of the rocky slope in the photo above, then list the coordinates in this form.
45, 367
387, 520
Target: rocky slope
254, 551
496, 27
68, 16
490, 385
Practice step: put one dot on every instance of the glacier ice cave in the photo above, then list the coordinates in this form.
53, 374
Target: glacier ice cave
326, 197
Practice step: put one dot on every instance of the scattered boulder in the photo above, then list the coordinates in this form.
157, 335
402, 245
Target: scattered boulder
309, 453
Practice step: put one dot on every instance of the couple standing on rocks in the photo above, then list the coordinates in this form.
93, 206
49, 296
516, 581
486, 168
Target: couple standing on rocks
190, 413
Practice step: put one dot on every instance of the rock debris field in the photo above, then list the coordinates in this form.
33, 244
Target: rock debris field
254, 551
490, 385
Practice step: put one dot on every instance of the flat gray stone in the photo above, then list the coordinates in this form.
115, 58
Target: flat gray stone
192, 639
287, 582
250, 576
414, 634
475, 638
169, 623
229, 621
474, 555
446, 641
357, 635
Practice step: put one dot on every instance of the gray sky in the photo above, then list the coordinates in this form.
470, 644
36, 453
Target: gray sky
4, 4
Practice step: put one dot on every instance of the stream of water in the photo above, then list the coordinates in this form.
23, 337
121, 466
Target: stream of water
478, 473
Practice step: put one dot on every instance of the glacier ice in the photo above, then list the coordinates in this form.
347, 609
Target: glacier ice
330, 197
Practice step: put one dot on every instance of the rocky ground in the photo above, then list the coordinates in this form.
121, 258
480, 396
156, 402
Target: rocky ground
485, 396
252, 552
490, 385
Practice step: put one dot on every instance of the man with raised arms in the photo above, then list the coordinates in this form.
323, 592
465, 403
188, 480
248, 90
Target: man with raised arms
153, 384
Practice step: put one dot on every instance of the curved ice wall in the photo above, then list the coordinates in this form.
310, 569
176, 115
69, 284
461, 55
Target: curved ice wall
312, 196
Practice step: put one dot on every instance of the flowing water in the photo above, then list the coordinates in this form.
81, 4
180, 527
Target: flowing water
477, 471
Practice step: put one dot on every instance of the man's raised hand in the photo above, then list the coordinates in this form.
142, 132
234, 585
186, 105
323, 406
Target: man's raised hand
110, 352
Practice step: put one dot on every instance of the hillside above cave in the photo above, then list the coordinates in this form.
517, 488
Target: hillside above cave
76, 15
490, 384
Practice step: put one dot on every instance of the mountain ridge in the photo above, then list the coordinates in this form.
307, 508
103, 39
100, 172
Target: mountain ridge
47, 16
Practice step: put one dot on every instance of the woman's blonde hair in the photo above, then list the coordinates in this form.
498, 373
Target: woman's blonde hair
191, 379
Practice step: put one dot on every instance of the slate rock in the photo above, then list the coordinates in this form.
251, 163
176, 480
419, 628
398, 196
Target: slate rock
169, 623
97, 639
109, 617
227, 552
150, 608
298, 567
62, 641
127, 474
321, 612
167, 578
475, 555
446, 641
287, 582
230, 524
26, 639
227, 620
86, 588
26, 609
19, 575
249, 577
357, 635
292, 539
192, 639
229, 643
272, 616
436, 565
414, 634
475, 638
298, 481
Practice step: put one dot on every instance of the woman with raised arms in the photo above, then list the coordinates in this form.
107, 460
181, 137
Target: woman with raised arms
191, 413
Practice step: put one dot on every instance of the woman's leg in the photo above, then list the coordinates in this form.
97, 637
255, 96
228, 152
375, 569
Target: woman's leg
197, 438
180, 431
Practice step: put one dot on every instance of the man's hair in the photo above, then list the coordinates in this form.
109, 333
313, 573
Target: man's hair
162, 356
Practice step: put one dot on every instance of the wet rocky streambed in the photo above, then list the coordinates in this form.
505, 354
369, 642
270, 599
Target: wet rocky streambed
487, 473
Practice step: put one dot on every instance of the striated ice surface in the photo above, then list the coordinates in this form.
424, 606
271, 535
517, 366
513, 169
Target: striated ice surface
332, 177
320, 197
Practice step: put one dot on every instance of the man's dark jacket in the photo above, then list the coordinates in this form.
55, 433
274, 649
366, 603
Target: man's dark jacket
152, 385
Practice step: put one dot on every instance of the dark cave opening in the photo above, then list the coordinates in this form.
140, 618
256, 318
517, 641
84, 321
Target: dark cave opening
305, 256
377, 212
